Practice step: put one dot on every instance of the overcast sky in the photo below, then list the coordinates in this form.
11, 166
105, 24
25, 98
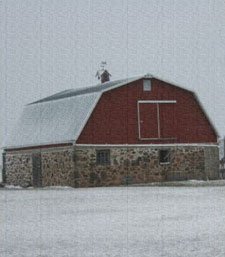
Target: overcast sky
52, 45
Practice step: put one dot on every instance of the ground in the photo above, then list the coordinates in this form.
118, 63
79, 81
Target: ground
145, 221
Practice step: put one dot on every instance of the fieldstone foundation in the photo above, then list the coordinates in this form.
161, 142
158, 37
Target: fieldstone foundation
77, 166
18, 169
58, 168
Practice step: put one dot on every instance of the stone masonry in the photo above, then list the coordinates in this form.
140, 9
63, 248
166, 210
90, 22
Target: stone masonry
76, 166
18, 169
57, 168
141, 165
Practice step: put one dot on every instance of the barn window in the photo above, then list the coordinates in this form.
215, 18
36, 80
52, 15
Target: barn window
147, 85
103, 157
164, 156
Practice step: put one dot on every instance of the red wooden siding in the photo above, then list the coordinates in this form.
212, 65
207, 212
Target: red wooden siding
115, 119
167, 121
148, 120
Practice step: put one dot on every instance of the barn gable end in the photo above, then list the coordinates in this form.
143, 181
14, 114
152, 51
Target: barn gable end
183, 121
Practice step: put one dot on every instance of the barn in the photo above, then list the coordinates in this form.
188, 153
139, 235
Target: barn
131, 131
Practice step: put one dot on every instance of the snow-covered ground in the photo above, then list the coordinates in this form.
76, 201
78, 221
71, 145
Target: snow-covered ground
114, 221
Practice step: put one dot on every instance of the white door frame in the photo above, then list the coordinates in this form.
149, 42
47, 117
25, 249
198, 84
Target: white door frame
157, 102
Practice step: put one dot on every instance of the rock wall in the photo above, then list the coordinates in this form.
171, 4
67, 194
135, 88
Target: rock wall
57, 168
77, 166
139, 165
211, 163
18, 169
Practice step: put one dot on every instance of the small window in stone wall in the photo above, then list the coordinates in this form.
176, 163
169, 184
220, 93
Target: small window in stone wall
164, 156
103, 157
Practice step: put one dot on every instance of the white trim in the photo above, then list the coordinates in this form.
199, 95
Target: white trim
116, 145
157, 101
139, 126
158, 138
50, 149
151, 145
37, 145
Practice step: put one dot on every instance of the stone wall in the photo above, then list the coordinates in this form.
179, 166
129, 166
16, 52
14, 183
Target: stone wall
140, 165
76, 166
18, 169
211, 163
57, 168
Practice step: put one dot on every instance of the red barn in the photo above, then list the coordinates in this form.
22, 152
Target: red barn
136, 130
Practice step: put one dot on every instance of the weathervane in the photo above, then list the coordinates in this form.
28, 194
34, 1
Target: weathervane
103, 74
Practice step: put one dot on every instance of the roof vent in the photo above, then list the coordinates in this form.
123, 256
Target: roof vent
103, 74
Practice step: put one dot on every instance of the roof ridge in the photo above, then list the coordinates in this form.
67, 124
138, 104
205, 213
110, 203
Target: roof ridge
82, 90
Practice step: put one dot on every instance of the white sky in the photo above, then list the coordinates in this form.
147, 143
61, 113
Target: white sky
51, 45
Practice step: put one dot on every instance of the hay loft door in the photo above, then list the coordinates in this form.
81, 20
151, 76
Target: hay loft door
148, 121
156, 119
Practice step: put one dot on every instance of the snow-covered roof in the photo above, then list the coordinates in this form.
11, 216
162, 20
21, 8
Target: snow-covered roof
61, 117
86, 90
52, 122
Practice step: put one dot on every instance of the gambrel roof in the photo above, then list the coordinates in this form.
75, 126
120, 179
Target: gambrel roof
60, 118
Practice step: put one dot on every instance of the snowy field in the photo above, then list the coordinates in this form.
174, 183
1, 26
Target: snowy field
116, 221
